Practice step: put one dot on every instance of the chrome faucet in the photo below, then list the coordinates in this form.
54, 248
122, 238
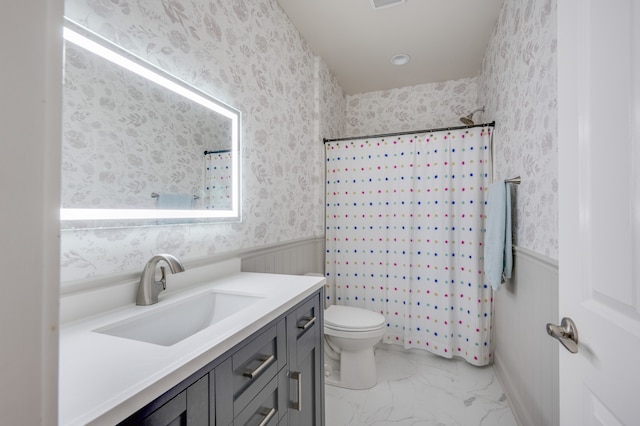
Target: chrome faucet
149, 288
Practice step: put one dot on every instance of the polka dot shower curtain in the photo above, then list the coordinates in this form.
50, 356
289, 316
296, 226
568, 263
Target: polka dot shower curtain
404, 231
217, 180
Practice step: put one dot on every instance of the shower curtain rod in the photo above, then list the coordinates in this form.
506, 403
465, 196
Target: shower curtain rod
492, 124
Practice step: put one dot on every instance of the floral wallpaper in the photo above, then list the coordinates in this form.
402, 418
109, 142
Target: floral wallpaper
126, 137
249, 55
420, 107
517, 85
332, 111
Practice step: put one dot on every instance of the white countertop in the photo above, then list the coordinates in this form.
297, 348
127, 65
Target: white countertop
104, 379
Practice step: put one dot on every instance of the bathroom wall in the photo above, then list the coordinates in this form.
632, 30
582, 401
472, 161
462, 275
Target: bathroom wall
332, 107
525, 357
420, 107
249, 55
518, 87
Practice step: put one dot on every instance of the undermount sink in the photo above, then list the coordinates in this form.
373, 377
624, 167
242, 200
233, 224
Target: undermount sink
169, 325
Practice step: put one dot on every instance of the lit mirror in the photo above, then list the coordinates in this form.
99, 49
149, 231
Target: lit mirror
141, 147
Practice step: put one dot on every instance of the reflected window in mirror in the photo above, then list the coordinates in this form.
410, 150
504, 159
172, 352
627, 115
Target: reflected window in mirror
141, 147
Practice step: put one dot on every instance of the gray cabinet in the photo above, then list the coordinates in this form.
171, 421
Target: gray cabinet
187, 404
306, 359
249, 375
189, 407
272, 378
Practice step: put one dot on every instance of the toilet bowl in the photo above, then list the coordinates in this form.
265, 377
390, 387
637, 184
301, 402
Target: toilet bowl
349, 336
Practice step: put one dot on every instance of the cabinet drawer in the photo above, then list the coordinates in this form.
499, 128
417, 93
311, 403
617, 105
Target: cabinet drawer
253, 366
307, 323
269, 405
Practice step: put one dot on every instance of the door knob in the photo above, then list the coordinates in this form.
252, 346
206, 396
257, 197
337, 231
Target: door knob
566, 333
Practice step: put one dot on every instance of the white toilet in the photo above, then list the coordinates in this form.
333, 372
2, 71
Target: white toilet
349, 336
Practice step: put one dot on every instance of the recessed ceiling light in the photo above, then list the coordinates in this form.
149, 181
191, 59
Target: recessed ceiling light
400, 59
381, 4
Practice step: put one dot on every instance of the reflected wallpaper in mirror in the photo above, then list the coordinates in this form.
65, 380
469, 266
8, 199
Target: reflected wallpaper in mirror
130, 143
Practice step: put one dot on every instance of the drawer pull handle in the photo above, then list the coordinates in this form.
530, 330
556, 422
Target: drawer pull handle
309, 323
297, 376
267, 417
265, 362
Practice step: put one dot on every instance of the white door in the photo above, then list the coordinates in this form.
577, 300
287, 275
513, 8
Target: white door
599, 175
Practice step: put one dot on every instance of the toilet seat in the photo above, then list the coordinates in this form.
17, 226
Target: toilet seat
352, 319
349, 337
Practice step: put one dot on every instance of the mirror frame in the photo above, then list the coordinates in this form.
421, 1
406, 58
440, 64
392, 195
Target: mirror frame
91, 218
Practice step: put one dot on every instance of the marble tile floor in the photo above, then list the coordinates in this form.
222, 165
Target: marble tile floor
417, 388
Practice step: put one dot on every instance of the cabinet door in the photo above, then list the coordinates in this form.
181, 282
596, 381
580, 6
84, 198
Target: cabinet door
198, 402
189, 408
173, 413
306, 409
306, 357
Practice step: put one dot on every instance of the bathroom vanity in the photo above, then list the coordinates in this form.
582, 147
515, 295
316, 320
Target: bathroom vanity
260, 363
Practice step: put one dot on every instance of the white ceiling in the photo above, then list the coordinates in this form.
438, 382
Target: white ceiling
446, 39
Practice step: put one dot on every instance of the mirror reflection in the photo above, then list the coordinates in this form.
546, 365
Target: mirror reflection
139, 143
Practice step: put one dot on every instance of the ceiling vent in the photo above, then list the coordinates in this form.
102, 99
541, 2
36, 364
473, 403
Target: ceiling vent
381, 4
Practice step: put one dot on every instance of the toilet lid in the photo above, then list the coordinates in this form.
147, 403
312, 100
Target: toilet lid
351, 318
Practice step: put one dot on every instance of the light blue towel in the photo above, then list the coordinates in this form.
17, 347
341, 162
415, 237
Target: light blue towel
168, 201
498, 259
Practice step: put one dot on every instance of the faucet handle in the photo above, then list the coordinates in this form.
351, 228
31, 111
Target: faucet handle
149, 288
163, 280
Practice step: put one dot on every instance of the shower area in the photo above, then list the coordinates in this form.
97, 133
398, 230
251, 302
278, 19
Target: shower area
217, 179
405, 223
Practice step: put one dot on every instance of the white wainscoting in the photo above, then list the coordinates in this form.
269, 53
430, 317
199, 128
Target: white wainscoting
526, 358
293, 257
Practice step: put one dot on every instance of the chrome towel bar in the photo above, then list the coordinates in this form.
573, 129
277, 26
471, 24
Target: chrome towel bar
156, 195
